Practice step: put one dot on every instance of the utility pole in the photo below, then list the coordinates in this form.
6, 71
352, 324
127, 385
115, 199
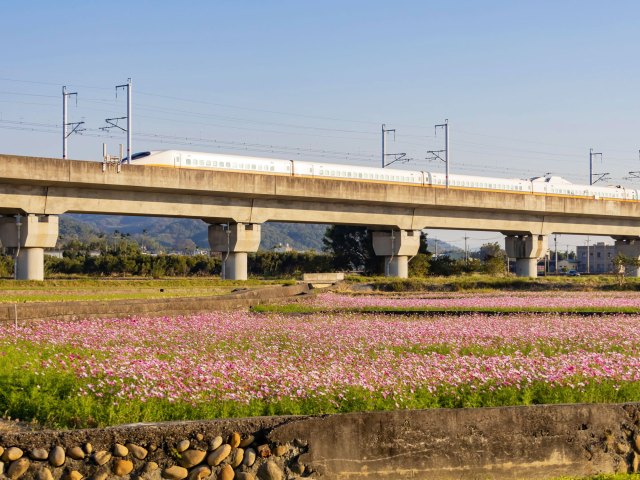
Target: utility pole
113, 122
435, 154
76, 125
601, 176
588, 240
384, 142
555, 248
398, 157
466, 250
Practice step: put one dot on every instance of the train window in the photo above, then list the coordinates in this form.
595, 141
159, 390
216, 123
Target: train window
253, 167
214, 163
208, 163
359, 175
188, 161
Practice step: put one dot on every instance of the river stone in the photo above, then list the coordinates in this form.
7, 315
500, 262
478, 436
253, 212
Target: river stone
216, 442
57, 456
281, 450
269, 471
72, 475
622, 448
183, 445
216, 457
101, 457
1, 451
200, 473
88, 448
199, 437
264, 451
100, 475
122, 467
1, 469
245, 476
150, 467
234, 440
175, 473
137, 451
39, 454
120, 450
18, 468
249, 457
76, 453
44, 474
236, 458
11, 454
226, 473
191, 458
247, 441
636, 462
297, 468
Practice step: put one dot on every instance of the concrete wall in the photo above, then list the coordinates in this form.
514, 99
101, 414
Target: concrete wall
538, 442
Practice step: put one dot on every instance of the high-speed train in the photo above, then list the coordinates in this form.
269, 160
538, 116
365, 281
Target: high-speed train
547, 185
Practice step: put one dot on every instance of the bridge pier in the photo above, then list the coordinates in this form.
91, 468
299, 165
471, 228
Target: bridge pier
526, 249
28, 239
234, 241
630, 248
396, 246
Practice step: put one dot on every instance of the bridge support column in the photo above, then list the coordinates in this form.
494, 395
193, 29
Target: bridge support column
396, 246
234, 241
630, 248
526, 249
28, 238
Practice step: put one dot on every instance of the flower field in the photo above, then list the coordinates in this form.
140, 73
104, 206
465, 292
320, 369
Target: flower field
76, 373
566, 300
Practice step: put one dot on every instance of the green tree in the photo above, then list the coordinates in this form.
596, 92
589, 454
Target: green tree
352, 248
493, 258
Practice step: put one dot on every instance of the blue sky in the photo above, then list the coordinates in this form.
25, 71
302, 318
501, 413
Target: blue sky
528, 87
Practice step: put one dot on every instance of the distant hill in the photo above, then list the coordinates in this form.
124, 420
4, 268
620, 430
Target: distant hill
444, 248
171, 233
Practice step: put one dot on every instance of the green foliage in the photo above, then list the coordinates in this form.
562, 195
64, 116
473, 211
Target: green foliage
288, 264
6, 266
419, 265
352, 248
125, 258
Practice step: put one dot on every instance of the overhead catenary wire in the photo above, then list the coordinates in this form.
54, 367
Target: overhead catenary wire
572, 164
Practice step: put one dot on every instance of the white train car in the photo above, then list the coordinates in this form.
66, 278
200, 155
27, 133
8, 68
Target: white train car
353, 172
548, 185
480, 183
216, 161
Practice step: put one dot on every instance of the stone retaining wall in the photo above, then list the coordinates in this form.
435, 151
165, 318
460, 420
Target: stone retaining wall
538, 442
242, 299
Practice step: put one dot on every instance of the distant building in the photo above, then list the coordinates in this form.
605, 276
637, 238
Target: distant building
566, 265
596, 258
53, 253
280, 248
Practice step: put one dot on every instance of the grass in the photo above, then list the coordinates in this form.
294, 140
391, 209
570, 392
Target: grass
95, 289
53, 400
617, 476
479, 282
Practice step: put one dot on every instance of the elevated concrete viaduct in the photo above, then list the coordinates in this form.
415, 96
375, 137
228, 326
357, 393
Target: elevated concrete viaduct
43, 188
